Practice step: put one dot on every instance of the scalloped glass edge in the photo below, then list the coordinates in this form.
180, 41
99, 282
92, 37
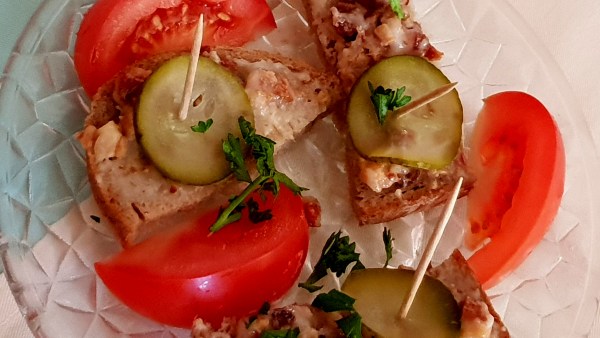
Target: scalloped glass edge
49, 8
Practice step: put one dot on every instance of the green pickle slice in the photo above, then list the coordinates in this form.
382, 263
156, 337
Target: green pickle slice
426, 138
178, 152
379, 294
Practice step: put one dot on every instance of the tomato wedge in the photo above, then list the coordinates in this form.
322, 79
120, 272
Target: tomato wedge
114, 33
177, 277
518, 159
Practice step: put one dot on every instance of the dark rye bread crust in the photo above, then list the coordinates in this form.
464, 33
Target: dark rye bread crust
373, 207
416, 191
133, 195
458, 277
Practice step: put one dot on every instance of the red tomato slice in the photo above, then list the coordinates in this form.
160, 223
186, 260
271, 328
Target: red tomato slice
114, 33
518, 160
180, 276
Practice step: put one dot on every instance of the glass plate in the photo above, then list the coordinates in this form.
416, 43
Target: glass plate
50, 242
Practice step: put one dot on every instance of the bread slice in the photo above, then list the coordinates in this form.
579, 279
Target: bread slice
479, 319
355, 35
286, 95
478, 313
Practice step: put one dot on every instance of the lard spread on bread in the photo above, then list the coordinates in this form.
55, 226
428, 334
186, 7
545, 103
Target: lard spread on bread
478, 318
286, 96
355, 35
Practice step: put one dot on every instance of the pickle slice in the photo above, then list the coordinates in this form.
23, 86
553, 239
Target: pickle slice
379, 294
428, 137
178, 152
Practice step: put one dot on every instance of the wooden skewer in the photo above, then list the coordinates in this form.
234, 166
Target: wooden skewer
429, 250
424, 100
191, 73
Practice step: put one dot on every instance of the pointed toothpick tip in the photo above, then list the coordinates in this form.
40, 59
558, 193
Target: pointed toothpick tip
424, 100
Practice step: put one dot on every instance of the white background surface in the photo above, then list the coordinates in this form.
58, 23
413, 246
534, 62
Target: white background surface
570, 30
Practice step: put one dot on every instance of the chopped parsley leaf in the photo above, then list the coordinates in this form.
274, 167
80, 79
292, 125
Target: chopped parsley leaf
333, 301
262, 151
386, 100
336, 255
388, 243
255, 215
397, 8
235, 156
202, 127
351, 325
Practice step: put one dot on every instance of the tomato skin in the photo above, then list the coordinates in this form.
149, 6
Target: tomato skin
186, 274
519, 163
115, 33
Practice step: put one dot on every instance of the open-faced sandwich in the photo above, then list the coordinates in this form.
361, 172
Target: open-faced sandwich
397, 164
145, 164
450, 303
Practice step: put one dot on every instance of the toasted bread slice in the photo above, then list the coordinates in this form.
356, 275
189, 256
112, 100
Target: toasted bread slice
479, 319
354, 36
286, 95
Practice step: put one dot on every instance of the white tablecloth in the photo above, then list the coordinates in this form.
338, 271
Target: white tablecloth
570, 30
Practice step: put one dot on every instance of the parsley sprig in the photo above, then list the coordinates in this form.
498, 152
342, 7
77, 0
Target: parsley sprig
397, 8
268, 179
336, 255
351, 325
334, 301
386, 100
388, 244
202, 127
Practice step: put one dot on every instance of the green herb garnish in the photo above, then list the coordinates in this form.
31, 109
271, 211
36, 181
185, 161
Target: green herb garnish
351, 325
397, 8
268, 178
385, 100
255, 215
290, 333
334, 301
336, 255
388, 244
264, 310
202, 127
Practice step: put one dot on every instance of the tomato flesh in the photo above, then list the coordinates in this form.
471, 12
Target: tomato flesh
115, 33
177, 277
518, 160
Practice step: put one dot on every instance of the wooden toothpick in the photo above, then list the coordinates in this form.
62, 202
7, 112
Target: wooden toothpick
191, 73
424, 100
429, 250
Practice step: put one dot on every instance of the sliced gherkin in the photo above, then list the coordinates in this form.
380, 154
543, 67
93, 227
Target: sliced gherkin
425, 138
175, 149
379, 294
